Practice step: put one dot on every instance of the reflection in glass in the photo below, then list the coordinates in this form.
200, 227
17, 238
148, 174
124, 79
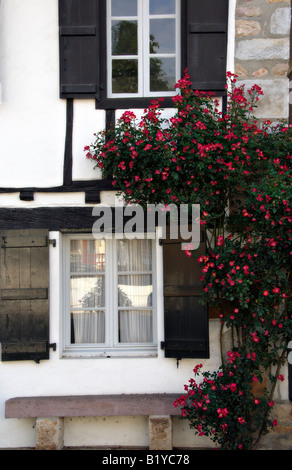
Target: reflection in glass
162, 74
125, 76
124, 38
162, 36
124, 7
135, 290
161, 7
87, 291
87, 256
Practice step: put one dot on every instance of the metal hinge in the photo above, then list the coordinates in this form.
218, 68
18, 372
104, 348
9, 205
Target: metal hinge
53, 242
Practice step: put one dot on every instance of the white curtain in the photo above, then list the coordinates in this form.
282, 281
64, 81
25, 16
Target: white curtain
133, 291
135, 326
88, 327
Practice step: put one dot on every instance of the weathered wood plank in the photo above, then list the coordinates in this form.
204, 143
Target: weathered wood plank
24, 294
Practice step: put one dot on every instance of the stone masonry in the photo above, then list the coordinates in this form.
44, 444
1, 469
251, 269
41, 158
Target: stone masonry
262, 52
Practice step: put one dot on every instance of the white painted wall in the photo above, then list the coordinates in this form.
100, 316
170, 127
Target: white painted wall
32, 136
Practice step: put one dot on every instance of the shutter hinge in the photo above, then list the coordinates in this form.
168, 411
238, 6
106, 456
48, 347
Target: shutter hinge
53, 346
53, 242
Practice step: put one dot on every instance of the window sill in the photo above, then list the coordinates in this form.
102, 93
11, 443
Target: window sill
126, 103
90, 353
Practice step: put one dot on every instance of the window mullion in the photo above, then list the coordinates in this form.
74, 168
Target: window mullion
110, 289
145, 40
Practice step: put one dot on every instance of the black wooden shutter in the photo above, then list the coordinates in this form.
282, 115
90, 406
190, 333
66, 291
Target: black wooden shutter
79, 48
185, 318
206, 43
24, 295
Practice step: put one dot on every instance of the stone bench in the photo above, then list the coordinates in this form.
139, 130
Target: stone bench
50, 412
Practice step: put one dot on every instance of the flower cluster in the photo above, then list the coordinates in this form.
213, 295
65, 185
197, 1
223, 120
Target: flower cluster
213, 404
197, 156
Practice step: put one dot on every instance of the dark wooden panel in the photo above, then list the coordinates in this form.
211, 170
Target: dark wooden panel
206, 43
79, 48
185, 318
24, 294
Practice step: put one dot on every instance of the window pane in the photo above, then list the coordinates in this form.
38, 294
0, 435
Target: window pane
124, 38
87, 256
135, 290
87, 327
162, 74
161, 7
135, 326
87, 291
134, 255
125, 76
124, 7
162, 36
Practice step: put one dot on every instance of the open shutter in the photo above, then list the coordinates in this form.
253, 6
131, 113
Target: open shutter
79, 48
24, 295
206, 23
185, 319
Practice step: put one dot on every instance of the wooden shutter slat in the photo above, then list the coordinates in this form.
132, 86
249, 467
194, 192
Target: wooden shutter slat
192, 346
177, 291
23, 242
207, 28
24, 295
86, 88
16, 351
78, 31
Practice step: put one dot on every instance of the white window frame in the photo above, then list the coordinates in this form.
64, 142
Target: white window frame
143, 56
111, 347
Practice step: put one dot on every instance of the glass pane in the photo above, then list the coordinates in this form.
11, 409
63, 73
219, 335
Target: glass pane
87, 256
135, 326
87, 291
161, 7
87, 327
124, 38
135, 290
162, 74
162, 36
125, 76
134, 255
124, 7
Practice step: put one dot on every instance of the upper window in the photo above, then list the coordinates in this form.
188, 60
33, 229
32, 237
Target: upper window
124, 53
108, 306
142, 47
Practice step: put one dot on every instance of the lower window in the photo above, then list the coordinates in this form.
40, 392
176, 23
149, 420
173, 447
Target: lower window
109, 296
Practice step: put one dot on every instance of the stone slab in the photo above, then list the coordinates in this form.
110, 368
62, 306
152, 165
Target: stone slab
92, 405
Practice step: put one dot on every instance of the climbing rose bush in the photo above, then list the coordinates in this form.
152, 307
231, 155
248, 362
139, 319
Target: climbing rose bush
239, 171
221, 406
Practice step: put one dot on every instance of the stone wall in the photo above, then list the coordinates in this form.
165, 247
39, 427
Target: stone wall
263, 56
262, 52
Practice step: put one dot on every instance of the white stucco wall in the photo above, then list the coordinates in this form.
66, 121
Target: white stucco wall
32, 117
32, 136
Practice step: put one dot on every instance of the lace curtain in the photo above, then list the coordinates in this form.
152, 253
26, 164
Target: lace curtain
130, 296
